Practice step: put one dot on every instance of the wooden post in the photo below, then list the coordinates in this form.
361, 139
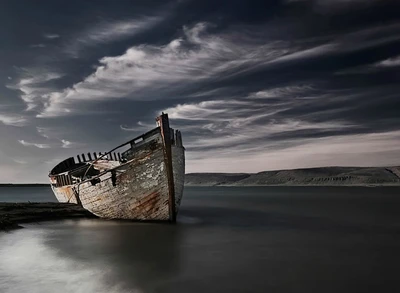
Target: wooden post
163, 122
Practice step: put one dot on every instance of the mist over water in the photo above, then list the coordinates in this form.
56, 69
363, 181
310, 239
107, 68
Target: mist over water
238, 239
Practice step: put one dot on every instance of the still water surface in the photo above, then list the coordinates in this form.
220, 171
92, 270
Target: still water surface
227, 239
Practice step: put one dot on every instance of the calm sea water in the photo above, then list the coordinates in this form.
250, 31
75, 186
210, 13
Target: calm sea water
250, 239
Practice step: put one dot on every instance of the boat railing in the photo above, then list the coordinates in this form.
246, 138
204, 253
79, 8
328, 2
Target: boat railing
176, 137
96, 156
67, 179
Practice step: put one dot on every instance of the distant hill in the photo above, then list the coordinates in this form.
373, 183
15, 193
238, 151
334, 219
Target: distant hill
328, 176
310, 176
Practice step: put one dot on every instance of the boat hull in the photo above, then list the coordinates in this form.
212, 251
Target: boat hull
138, 189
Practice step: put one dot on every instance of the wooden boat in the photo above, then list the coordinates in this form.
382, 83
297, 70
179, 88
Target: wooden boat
141, 179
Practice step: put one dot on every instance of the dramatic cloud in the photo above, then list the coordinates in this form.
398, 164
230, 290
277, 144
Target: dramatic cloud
253, 86
144, 71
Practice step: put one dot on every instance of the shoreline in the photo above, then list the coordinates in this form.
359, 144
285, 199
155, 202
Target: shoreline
24, 185
14, 214
295, 185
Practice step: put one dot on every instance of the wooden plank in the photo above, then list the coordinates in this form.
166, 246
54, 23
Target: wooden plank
166, 136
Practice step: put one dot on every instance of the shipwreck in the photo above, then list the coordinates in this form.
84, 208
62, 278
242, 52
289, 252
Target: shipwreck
141, 179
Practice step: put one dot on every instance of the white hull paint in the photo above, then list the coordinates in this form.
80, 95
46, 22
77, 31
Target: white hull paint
137, 187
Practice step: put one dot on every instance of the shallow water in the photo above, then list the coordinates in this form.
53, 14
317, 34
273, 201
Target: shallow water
227, 239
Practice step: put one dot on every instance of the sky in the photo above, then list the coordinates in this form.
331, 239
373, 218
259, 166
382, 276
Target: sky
252, 85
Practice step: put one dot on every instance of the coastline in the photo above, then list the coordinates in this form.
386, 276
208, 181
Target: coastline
14, 214
324, 176
24, 184
296, 185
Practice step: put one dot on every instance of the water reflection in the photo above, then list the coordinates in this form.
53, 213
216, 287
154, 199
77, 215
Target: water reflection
140, 255
241, 241
28, 264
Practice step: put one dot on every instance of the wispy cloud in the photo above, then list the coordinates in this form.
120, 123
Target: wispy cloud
13, 119
51, 36
237, 125
391, 62
54, 137
42, 131
140, 126
375, 149
334, 6
34, 86
287, 91
38, 145
371, 68
253, 91
38, 46
65, 144
110, 31
148, 72
19, 161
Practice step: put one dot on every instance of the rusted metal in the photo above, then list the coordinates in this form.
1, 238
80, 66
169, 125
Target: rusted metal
144, 182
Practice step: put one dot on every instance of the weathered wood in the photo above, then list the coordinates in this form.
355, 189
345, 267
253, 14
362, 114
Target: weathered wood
144, 183
178, 163
142, 180
167, 141
139, 182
